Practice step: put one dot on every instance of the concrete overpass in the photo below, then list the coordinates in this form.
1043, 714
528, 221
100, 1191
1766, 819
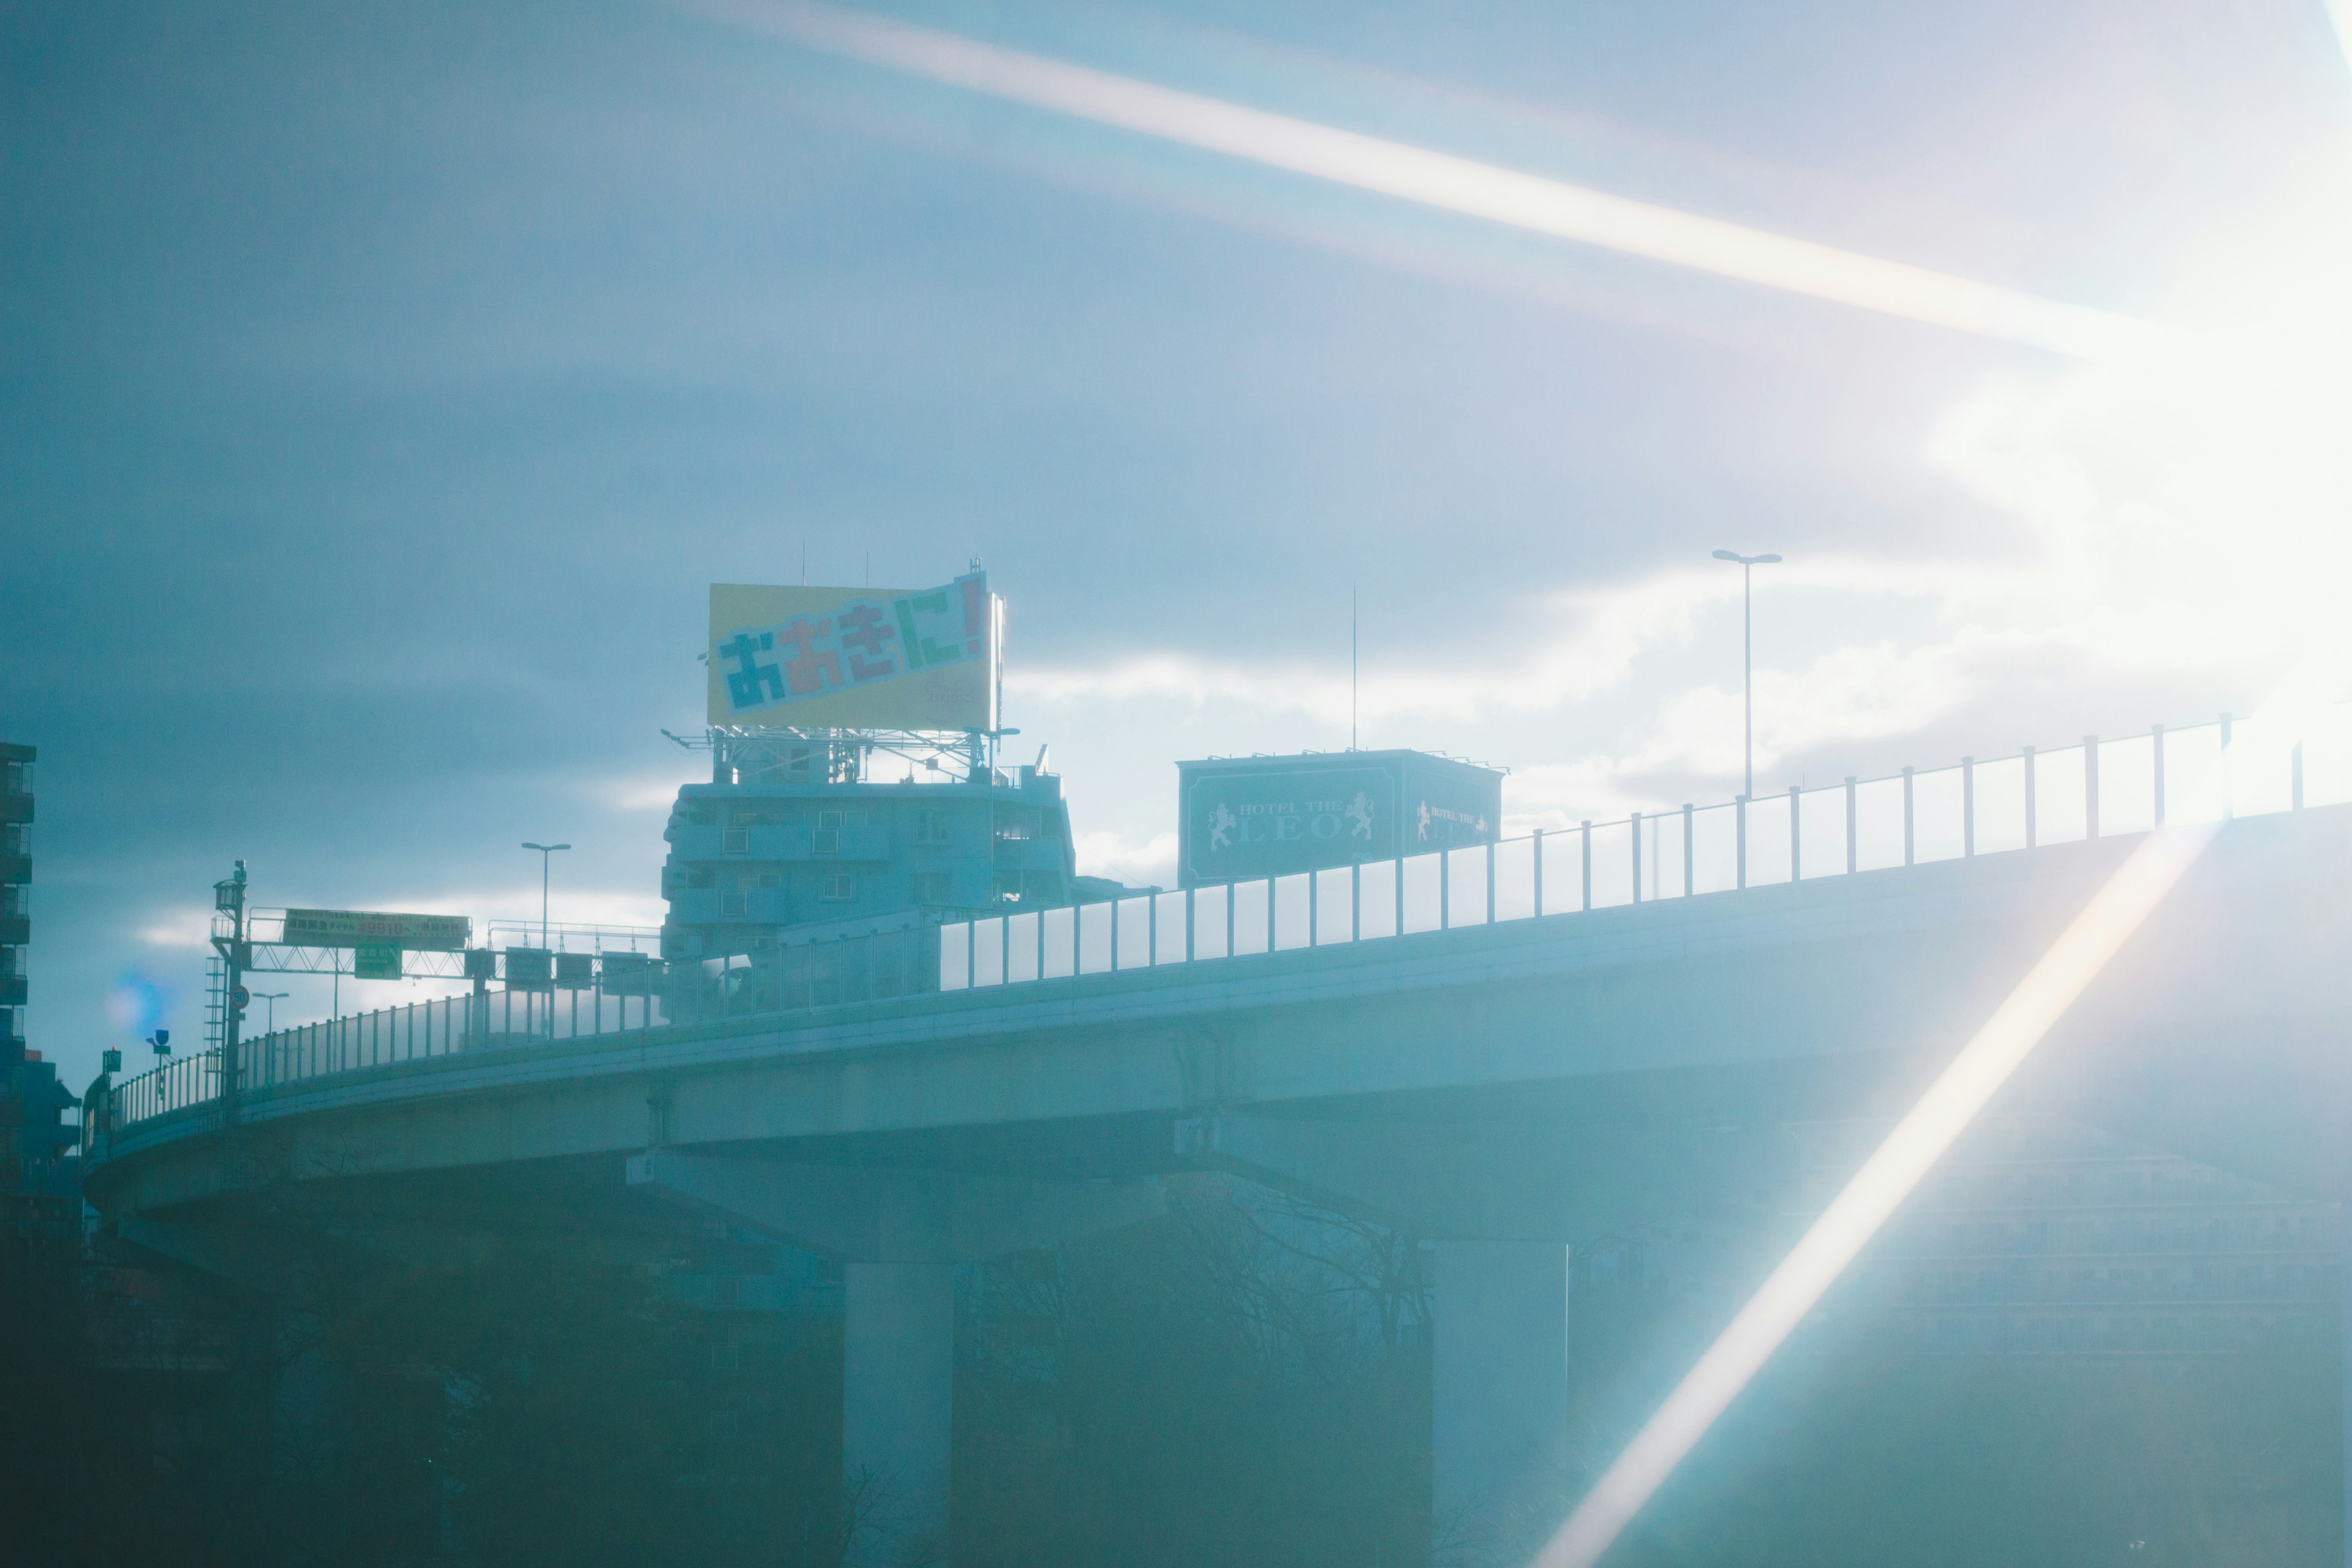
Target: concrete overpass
1504, 1086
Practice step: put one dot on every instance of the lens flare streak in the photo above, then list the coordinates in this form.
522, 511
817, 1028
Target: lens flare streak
1964, 1088
1456, 184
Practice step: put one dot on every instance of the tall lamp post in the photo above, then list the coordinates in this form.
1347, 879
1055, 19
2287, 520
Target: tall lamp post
545, 852
1748, 564
273, 999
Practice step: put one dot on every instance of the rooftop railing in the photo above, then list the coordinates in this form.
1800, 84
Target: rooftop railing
2097, 789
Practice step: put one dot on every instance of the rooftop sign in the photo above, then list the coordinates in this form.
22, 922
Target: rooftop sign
855, 658
1273, 816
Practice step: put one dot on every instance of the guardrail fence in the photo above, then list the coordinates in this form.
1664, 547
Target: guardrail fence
2094, 790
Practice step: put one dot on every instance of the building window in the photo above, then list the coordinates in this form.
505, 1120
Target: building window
931, 888
737, 842
732, 906
840, 887
930, 825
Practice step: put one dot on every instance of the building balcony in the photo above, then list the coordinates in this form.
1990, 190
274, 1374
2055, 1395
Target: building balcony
12, 991
15, 869
16, 808
16, 930
867, 841
716, 906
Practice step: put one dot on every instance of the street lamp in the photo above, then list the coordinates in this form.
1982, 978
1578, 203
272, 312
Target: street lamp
1747, 564
545, 850
273, 999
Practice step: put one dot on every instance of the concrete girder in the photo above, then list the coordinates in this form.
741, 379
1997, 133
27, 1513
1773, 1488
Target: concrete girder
891, 1215
1502, 1180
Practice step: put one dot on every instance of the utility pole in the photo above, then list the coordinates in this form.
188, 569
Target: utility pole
236, 955
545, 852
1748, 564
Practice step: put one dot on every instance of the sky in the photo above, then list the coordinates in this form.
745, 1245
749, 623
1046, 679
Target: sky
382, 388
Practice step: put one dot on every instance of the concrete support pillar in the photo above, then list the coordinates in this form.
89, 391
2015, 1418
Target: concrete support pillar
307, 1434
1499, 1399
897, 1408
900, 1233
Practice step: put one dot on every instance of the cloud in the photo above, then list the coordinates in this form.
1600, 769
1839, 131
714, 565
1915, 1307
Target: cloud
1614, 628
642, 792
2190, 510
1151, 862
513, 909
2178, 515
189, 927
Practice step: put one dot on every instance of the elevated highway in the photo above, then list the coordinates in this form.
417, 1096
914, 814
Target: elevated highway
1506, 1088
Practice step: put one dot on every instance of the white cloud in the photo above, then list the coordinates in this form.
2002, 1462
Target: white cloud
2180, 519
189, 927
1152, 861
647, 792
1612, 627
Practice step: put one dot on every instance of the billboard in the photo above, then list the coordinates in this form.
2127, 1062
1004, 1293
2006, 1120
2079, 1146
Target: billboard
1270, 816
365, 927
855, 658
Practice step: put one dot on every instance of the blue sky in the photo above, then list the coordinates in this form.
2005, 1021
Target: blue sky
382, 389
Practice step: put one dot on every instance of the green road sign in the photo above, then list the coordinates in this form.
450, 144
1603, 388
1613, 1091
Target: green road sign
375, 960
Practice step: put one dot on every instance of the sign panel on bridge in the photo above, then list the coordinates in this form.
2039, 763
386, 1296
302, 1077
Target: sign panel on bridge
364, 928
375, 960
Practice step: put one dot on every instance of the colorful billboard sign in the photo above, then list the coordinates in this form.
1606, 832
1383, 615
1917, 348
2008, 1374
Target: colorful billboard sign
364, 928
855, 658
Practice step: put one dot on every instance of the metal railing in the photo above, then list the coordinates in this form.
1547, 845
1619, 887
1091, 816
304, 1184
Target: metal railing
174, 1085
870, 967
2093, 789
2097, 789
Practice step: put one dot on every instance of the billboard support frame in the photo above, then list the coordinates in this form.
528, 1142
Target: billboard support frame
842, 755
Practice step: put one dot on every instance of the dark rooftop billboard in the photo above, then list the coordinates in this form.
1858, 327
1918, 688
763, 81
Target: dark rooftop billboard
1269, 816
